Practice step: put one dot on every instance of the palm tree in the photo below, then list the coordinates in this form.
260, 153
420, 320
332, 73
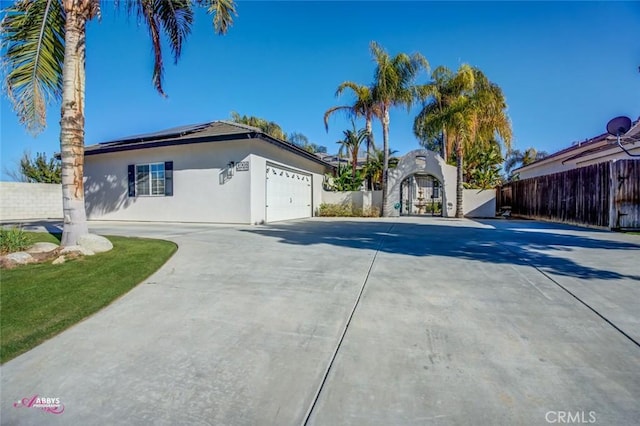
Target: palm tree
393, 86
302, 141
516, 158
374, 167
476, 115
44, 57
351, 144
363, 106
439, 94
269, 127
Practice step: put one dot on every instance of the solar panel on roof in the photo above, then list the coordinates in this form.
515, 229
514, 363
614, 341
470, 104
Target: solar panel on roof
175, 131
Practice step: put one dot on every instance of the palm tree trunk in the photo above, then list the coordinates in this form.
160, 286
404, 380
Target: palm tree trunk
444, 146
459, 187
72, 122
369, 128
385, 164
354, 164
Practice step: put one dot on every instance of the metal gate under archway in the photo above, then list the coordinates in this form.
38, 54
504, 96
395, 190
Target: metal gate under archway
421, 195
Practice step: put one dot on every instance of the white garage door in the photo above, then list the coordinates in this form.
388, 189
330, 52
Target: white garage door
288, 194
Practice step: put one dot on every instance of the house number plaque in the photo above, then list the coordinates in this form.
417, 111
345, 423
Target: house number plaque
242, 166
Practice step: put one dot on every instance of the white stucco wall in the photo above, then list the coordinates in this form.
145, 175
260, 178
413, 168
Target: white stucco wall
200, 191
28, 201
358, 199
479, 203
353, 198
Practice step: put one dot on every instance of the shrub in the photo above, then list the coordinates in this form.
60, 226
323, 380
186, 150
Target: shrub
346, 210
13, 239
371, 212
335, 210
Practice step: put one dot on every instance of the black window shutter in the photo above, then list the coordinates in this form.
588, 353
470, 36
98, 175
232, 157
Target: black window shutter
168, 178
132, 180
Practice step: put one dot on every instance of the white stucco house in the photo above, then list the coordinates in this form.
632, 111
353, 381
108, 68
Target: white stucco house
218, 172
599, 149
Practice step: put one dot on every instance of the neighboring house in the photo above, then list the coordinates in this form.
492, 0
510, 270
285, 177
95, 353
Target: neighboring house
219, 172
599, 149
343, 162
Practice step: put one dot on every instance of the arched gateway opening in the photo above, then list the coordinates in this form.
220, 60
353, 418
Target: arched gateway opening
421, 184
421, 195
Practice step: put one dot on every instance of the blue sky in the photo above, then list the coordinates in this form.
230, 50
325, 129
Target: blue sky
566, 68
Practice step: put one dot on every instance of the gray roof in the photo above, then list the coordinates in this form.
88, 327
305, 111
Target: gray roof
595, 145
213, 131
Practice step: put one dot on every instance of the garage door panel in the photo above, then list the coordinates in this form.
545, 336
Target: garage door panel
288, 194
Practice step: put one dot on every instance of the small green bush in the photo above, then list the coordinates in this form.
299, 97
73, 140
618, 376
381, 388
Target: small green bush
13, 239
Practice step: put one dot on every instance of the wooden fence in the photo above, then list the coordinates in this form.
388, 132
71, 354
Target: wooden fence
604, 195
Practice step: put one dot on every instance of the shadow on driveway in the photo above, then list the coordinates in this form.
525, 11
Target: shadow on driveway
515, 243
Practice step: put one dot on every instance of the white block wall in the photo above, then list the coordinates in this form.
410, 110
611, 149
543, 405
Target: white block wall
479, 203
28, 201
357, 199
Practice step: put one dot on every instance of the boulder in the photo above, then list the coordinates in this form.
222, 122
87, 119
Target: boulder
77, 249
59, 260
95, 243
42, 248
20, 257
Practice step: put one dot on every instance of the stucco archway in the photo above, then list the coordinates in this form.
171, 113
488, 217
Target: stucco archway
422, 161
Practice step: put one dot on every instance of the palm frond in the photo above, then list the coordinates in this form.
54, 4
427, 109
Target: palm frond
223, 12
394, 76
176, 17
363, 105
32, 33
153, 24
347, 110
173, 19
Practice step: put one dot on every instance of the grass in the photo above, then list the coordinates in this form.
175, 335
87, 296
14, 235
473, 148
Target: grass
39, 301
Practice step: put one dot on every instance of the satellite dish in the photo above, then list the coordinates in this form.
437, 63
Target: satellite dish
618, 126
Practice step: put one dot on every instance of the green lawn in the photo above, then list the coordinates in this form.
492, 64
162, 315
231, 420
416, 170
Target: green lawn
39, 301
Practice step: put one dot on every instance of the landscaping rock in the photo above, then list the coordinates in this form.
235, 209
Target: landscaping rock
7, 263
95, 243
59, 260
42, 248
77, 249
20, 257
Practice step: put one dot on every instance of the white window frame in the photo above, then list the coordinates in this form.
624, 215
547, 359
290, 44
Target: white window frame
164, 180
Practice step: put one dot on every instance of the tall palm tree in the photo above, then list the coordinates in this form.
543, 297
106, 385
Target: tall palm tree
439, 94
362, 107
44, 56
351, 144
476, 115
393, 86
516, 158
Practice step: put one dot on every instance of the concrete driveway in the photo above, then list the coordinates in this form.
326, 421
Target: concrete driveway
362, 322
